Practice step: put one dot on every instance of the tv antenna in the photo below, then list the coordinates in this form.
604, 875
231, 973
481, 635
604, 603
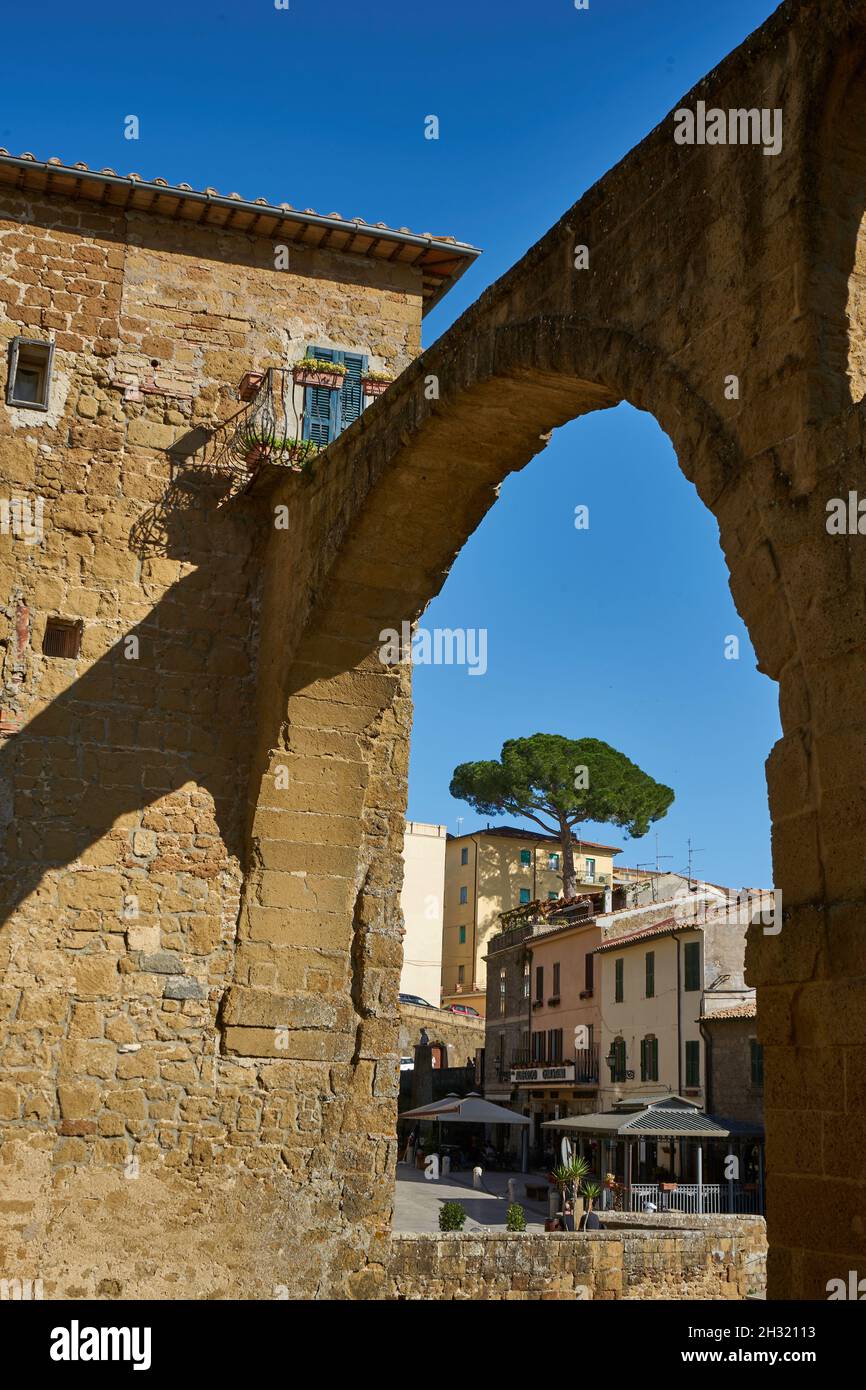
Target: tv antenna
692, 853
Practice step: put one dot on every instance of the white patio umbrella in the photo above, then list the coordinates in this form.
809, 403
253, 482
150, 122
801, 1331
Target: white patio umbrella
467, 1110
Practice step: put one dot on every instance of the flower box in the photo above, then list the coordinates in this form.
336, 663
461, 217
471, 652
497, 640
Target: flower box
372, 387
249, 385
316, 371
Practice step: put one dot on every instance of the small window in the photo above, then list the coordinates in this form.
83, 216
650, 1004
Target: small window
461, 974
539, 983
590, 871
692, 964
553, 862
29, 380
757, 1061
464, 854
524, 896
619, 986
552, 897
464, 896
526, 979
526, 856
556, 978
588, 972
693, 1064
62, 638
502, 989
462, 931
651, 979
649, 1059
618, 1060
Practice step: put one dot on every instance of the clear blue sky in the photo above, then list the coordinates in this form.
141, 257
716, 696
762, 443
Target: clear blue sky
616, 632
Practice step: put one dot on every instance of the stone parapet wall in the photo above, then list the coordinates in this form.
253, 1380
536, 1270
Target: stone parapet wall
711, 1259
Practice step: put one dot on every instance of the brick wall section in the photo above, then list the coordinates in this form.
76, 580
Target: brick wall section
716, 1259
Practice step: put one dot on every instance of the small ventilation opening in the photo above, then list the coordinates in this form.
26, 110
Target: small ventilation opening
62, 637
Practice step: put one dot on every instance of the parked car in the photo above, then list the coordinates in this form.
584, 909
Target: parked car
416, 999
465, 1009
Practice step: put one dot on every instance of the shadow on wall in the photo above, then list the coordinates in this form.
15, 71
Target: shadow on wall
162, 710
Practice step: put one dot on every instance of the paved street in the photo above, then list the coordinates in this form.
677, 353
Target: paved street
417, 1200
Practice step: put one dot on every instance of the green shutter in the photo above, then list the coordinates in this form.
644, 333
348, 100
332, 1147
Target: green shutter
654, 1064
650, 974
643, 1055
618, 981
692, 958
352, 393
320, 404
693, 1064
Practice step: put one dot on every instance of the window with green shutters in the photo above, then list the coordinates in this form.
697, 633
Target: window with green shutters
650, 974
526, 856
618, 981
692, 965
649, 1059
693, 1064
757, 1058
462, 936
619, 1062
326, 412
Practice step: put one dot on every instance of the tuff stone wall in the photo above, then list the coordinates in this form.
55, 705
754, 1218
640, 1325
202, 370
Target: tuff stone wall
714, 1259
128, 1099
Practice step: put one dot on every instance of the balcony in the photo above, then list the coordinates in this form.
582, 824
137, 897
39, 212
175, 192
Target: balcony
579, 1070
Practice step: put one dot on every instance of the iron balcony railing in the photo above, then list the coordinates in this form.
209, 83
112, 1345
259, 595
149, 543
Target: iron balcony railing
585, 1063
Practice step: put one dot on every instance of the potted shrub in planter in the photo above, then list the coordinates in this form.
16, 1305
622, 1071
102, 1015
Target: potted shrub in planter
592, 1192
261, 444
317, 371
374, 383
452, 1216
515, 1218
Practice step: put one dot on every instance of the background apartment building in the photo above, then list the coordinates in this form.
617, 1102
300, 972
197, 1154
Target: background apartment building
657, 979
493, 871
421, 902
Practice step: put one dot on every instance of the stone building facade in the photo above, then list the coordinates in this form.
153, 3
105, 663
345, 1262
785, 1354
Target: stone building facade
143, 981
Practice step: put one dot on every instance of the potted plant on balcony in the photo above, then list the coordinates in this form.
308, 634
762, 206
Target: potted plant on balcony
260, 444
374, 383
249, 385
317, 371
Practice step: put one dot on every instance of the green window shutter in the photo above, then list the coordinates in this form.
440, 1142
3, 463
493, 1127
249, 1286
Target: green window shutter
650, 974
693, 1064
692, 960
643, 1060
351, 396
619, 987
321, 414
654, 1060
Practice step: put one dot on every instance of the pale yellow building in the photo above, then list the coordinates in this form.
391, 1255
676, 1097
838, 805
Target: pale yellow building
492, 871
421, 902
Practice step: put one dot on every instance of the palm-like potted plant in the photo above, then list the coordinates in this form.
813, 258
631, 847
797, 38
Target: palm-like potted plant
570, 1179
318, 371
591, 1192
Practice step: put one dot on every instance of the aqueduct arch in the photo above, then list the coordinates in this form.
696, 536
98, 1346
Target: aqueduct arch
702, 268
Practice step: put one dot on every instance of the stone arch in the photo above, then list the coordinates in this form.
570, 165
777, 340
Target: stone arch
837, 161
319, 939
